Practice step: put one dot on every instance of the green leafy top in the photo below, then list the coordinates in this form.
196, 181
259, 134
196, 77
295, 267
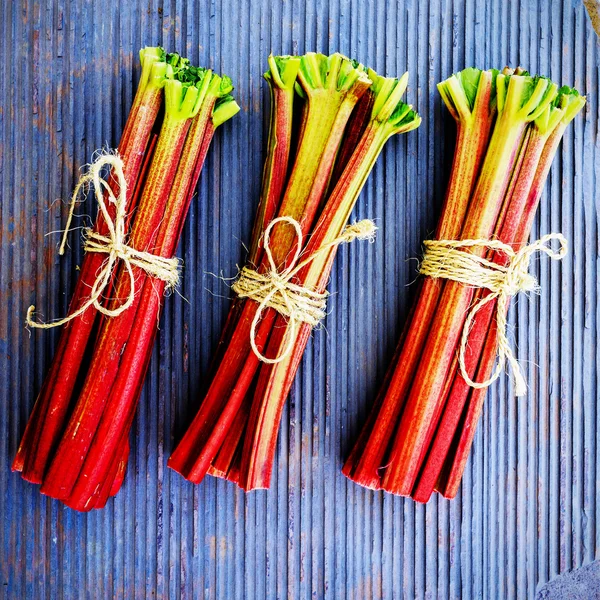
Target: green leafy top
571, 101
225, 108
567, 100
565, 90
469, 79
211, 84
404, 118
461, 91
225, 86
176, 60
561, 110
335, 72
186, 85
283, 71
524, 97
189, 74
388, 107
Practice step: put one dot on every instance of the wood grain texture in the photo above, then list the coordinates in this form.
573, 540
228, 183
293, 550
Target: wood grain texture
529, 507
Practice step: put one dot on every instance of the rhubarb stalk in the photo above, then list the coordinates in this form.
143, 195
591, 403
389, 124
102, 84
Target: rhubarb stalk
51, 408
470, 98
388, 116
330, 86
281, 78
547, 132
520, 100
182, 101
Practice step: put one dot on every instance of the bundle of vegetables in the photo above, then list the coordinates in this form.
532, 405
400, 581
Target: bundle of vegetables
316, 166
76, 441
419, 433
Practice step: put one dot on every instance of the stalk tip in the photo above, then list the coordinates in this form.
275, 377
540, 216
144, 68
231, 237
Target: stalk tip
225, 108
335, 72
152, 54
388, 107
182, 101
283, 71
571, 101
154, 68
469, 90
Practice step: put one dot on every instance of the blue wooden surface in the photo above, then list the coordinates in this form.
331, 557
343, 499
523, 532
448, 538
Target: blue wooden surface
529, 505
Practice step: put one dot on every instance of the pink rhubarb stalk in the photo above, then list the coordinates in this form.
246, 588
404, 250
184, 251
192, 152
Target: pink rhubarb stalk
331, 87
470, 99
181, 104
547, 132
520, 99
51, 408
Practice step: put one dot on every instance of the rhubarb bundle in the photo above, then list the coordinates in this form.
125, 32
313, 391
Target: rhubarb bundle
330, 118
419, 433
76, 442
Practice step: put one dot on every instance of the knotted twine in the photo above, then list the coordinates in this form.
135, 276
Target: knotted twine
114, 244
276, 289
447, 259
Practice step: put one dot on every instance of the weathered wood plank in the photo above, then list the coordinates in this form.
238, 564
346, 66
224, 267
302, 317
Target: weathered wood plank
530, 505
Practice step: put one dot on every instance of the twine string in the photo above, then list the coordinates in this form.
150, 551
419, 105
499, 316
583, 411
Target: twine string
114, 244
276, 289
448, 259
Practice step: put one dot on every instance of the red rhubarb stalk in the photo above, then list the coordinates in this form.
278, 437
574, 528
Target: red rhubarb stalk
482, 347
469, 96
520, 99
360, 118
281, 78
515, 183
51, 408
229, 452
331, 87
389, 116
223, 465
181, 104
122, 400
121, 470
513, 205
105, 492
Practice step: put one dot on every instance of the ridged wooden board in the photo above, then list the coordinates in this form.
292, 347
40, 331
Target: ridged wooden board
529, 505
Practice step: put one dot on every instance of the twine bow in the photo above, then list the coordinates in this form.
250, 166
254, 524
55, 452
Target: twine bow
114, 244
446, 259
276, 289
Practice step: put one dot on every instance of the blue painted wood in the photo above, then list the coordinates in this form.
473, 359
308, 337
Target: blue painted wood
529, 508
